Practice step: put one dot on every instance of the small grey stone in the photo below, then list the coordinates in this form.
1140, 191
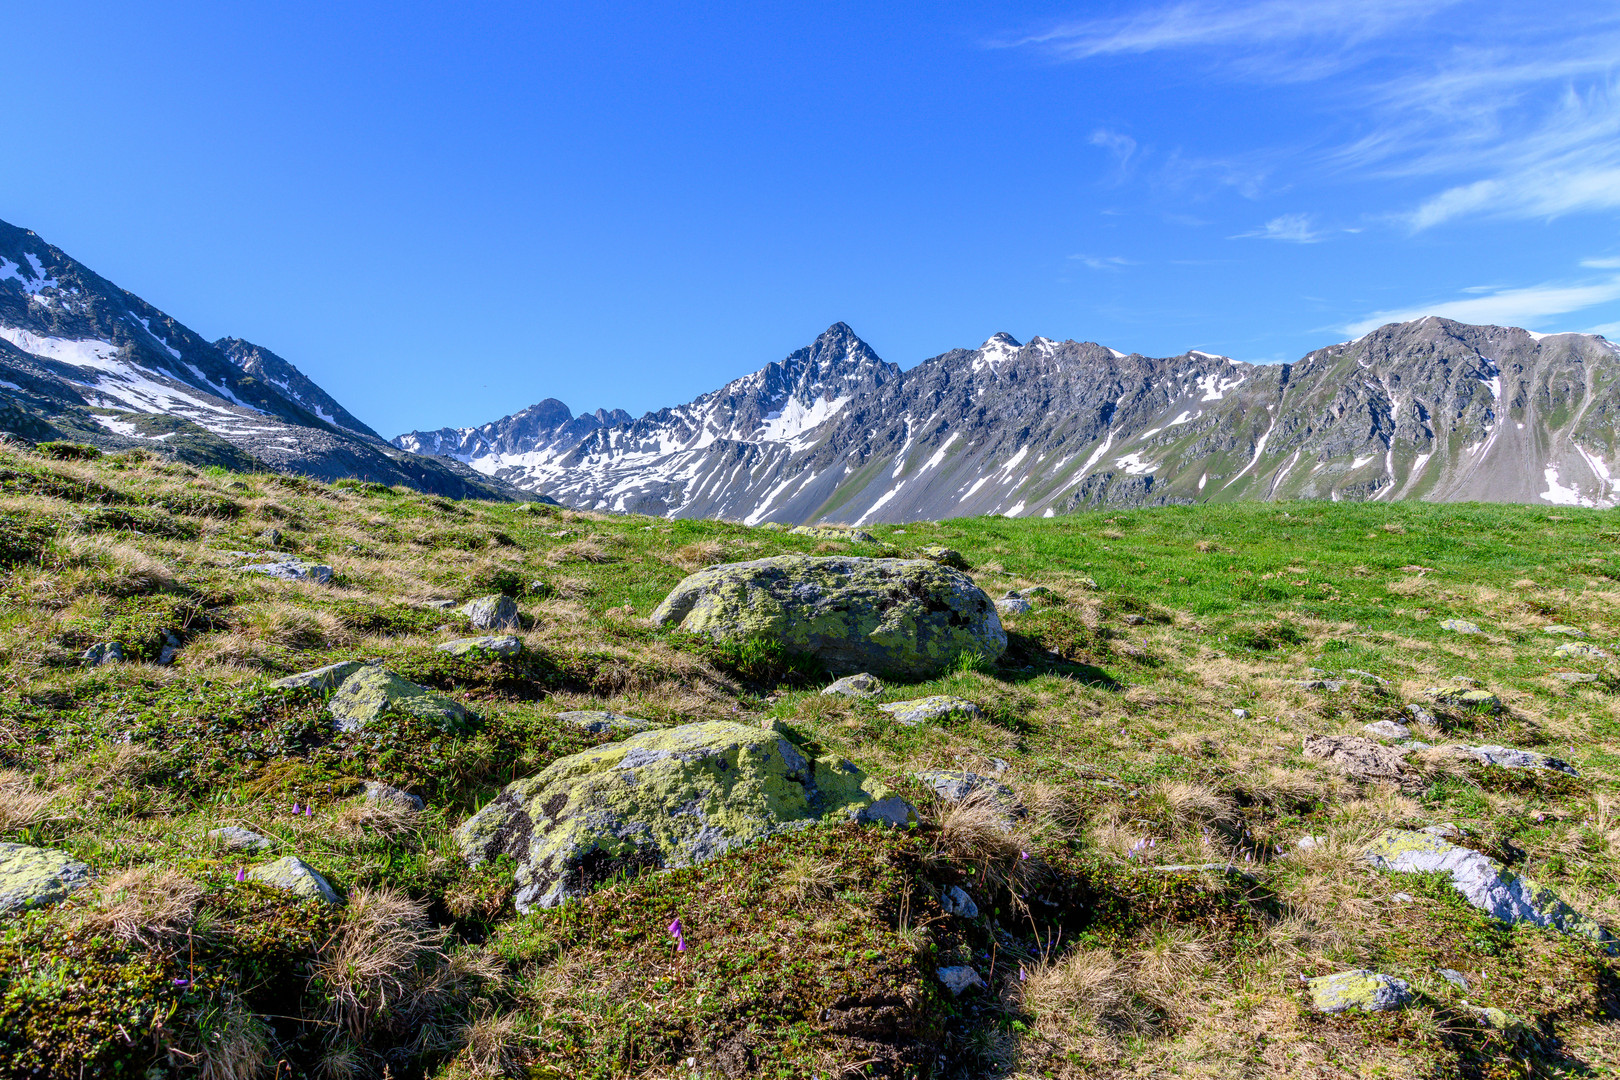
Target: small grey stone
1013, 604
239, 839
1460, 626
1241, 714
1402, 898
956, 785
959, 979
862, 685
1575, 676
1306, 843
1420, 714
171, 648
1566, 631
1367, 676
1454, 977
932, 708
604, 721
890, 810
291, 570
506, 645
998, 766
956, 901
1388, 729
1366, 990
439, 605
495, 612
271, 537
1509, 758
1331, 685
105, 652
321, 678
294, 875
378, 792
1134, 620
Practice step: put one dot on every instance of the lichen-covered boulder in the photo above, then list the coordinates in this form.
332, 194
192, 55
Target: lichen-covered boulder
1464, 698
505, 645
833, 532
495, 612
296, 876
1580, 650
236, 838
931, 709
907, 617
862, 685
291, 569
31, 876
945, 557
321, 678
1366, 990
605, 721
668, 798
372, 691
1481, 880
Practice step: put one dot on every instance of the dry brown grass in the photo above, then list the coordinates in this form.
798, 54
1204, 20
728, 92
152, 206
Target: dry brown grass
382, 964
578, 551
20, 804
809, 878
976, 832
1184, 806
491, 1045
1089, 991
145, 905
700, 554
381, 822
235, 1045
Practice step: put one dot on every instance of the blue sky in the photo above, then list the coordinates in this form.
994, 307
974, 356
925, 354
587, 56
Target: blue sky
444, 213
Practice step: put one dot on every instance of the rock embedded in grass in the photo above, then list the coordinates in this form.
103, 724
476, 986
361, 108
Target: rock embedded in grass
296, 876
906, 617
862, 685
945, 557
661, 799
322, 678
1368, 991
371, 691
494, 612
236, 838
1388, 729
104, 652
1013, 604
604, 721
505, 645
1582, 650
959, 979
1481, 880
1360, 759
932, 709
291, 570
955, 785
956, 901
1575, 676
1464, 698
387, 795
32, 876
1566, 631
833, 532
1508, 757
1461, 626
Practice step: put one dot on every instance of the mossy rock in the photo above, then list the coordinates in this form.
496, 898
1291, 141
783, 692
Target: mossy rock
833, 532
932, 709
294, 875
1367, 991
906, 617
372, 691
32, 876
1475, 700
669, 798
605, 721
504, 645
329, 677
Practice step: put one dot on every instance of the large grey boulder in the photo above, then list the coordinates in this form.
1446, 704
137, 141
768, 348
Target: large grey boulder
32, 876
667, 798
1482, 881
1368, 991
907, 617
372, 691
495, 612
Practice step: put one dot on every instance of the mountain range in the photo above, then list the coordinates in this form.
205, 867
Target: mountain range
86, 361
1429, 409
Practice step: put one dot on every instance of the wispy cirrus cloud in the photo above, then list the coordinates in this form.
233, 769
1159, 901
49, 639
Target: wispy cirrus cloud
1103, 262
1528, 129
1526, 306
1291, 228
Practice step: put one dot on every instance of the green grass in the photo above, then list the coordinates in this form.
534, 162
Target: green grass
1111, 716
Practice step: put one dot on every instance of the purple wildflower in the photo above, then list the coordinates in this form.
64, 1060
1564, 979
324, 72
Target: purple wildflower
295, 808
1023, 854
241, 874
182, 982
1021, 976
309, 809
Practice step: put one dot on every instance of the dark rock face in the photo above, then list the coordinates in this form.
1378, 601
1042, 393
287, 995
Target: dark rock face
1430, 409
86, 361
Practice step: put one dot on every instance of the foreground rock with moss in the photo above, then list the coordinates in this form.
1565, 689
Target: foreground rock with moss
661, 799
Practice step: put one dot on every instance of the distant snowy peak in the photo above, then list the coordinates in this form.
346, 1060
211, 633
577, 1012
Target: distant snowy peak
546, 428
290, 383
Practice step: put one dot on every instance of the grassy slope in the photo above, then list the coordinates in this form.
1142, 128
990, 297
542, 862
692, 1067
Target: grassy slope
816, 953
